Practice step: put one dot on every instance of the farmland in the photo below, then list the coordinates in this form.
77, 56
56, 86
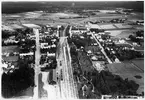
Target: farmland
121, 33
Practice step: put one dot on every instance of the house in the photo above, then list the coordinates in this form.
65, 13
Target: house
95, 44
50, 54
121, 41
78, 29
26, 54
117, 60
10, 41
46, 46
98, 67
94, 58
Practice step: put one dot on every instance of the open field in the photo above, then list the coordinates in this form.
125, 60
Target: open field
123, 26
136, 16
108, 26
139, 63
139, 27
39, 17
128, 70
84, 61
124, 33
11, 58
5, 27
137, 47
16, 26
47, 17
10, 49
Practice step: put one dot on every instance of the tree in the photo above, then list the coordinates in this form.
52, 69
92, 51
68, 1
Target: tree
6, 34
28, 31
85, 73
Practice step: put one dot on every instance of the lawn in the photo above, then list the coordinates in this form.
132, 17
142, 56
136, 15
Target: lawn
124, 33
10, 49
139, 63
123, 26
11, 59
107, 26
139, 47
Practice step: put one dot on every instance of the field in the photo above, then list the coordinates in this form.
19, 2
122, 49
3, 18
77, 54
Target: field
136, 16
5, 27
85, 62
16, 26
10, 49
11, 58
139, 63
38, 17
128, 70
108, 26
124, 33
123, 26
139, 27
141, 48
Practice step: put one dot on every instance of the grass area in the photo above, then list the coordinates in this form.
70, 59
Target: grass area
10, 49
124, 33
139, 47
123, 68
11, 58
139, 63
137, 16
107, 26
86, 64
128, 70
124, 45
48, 18
123, 26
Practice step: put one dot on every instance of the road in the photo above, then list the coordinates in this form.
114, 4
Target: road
52, 91
102, 49
37, 67
67, 85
